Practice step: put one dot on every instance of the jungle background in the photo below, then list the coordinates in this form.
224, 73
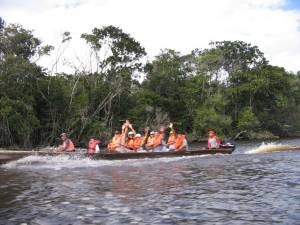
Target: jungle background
230, 88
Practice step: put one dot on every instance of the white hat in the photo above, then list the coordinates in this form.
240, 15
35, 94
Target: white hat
130, 133
138, 135
152, 132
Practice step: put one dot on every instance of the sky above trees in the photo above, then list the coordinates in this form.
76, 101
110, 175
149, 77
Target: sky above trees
272, 25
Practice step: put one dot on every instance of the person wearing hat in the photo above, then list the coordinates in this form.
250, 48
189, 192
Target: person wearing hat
67, 145
176, 142
138, 142
214, 141
129, 143
150, 141
117, 143
155, 140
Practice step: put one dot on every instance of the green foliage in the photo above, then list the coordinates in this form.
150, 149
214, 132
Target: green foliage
17, 122
248, 121
229, 88
2, 22
16, 41
210, 119
211, 116
117, 53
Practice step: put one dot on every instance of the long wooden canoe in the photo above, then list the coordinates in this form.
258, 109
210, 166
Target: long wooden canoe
10, 155
140, 155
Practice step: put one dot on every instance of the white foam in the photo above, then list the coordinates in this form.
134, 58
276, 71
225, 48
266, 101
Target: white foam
63, 161
79, 217
270, 147
90, 208
65, 203
55, 162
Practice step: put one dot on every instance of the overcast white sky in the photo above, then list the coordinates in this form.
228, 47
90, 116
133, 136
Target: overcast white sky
183, 25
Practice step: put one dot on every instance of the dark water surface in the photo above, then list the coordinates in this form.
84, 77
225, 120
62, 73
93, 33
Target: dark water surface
240, 188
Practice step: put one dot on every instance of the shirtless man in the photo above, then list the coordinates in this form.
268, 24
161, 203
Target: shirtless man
67, 145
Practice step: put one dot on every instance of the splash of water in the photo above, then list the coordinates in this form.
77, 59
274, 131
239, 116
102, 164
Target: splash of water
53, 162
63, 161
271, 147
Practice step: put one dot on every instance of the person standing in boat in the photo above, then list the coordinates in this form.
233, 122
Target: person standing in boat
67, 145
176, 142
93, 146
214, 141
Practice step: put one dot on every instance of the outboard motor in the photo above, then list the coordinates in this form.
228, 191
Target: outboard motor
227, 145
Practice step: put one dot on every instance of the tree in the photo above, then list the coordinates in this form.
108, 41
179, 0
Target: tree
2, 22
116, 52
248, 120
18, 85
212, 116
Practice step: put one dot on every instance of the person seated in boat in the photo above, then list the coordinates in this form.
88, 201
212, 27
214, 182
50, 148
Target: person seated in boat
155, 140
176, 142
214, 141
150, 141
138, 142
141, 141
129, 143
117, 143
135, 141
93, 146
67, 145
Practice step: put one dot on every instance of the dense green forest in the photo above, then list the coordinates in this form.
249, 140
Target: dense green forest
229, 87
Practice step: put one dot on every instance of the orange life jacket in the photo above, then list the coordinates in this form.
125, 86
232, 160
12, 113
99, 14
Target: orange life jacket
130, 143
171, 139
158, 140
115, 142
179, 141
150, 141
138, 141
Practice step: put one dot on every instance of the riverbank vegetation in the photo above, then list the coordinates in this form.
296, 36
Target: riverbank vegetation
229, 87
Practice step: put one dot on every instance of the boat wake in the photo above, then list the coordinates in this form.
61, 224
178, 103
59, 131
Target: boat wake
52, 162
64, 162
271, 147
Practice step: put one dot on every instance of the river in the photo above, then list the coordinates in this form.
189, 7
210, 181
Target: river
243, 188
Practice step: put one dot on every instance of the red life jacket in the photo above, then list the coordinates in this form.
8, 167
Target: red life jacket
92, 145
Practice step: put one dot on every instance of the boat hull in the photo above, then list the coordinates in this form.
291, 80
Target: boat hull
141, 155
6, 156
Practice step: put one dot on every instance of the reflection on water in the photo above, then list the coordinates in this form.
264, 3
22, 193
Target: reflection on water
221, 189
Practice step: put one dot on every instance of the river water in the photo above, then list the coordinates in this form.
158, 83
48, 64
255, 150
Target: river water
246, 187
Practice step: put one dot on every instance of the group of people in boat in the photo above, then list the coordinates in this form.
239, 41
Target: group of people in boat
152, 141
128, 140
